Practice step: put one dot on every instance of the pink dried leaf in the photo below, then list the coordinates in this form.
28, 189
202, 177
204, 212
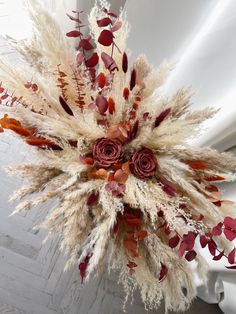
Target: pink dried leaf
116, 26
173, 242
102, 104
109, 62
231, 256
74, 34
104, 22
80, 58
105, 38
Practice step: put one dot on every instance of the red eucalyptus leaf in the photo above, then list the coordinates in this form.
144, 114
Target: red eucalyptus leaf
43, 143
198, 165
231, 267
105, 38
230, 223
75, 19
173, 242
102, 104
3, 97
65, 106
212, 247
214, 178
217, 230
109, 62
101, 80
80, 58
116, 26
85, 44
74, 34
92, 61
132, 79
189, 240
104, 22
1, 89
190, 256
163, 272
182, 249
92, 198
161, 117
125, 62
230, 234
219, 256
111, 105
231, 256
134, 130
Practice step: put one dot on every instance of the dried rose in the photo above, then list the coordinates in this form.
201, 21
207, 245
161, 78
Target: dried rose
143, 163
107, 151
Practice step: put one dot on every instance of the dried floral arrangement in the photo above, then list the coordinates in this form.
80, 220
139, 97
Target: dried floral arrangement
113, 152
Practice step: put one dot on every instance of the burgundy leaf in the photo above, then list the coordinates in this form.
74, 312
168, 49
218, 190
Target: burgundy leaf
75, 19
85, 44
105, 38
161, 117
173, 242
92, 61
134, 130
74, 34
189, 240
92, 198
104, 22
219, 256
217, 230
182, 249
109, 62
190, 255
231, 256
231, 267
167, 187
102, 104
212, 247
65, 106
80, 58
146, 116
230, 234
230, 223
112, 14
163, 272
203, 241
132, 79
125, 62
116, 26
83, 268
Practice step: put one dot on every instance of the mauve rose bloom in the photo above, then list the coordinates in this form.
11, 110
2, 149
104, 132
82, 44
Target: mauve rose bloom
107, 152
143, 163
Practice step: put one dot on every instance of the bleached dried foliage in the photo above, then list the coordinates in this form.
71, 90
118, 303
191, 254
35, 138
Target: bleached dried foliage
147, 210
